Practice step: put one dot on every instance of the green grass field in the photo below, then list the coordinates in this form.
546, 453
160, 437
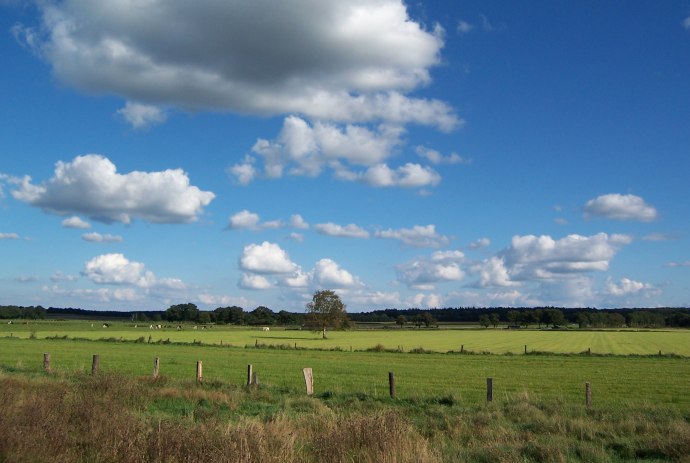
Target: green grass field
616, 380
497, 341
640, 411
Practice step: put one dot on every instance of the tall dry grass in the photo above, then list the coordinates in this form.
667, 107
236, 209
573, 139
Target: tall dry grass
110, 418
106, 419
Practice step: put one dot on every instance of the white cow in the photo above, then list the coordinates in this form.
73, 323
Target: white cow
265, 328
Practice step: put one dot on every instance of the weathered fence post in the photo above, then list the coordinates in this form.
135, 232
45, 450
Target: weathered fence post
588, 394
156, 367
199, 371
95, 364
489, 389
525, 348
391, 384
46, 362
255, 379
462, 348
308, 380
249, 375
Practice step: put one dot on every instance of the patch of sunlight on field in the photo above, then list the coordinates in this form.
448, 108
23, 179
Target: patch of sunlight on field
497, 341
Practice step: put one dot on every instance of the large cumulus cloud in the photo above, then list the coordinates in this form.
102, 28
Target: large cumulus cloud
90, 185
327, 59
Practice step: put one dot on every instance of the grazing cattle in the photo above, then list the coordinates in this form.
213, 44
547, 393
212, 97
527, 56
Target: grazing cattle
159, 327
150, 327
194, 326
179, 327
265, 328
9, 322
106, 325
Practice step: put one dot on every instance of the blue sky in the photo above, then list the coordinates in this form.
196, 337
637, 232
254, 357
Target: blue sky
428, 154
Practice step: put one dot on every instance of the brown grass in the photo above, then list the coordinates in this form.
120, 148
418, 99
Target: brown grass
111, 418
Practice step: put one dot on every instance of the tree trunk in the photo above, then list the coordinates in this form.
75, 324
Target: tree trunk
324, 332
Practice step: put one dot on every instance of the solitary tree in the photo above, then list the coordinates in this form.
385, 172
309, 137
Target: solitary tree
326, 310
401, 320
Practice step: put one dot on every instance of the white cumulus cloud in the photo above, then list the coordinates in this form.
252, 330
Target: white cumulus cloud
328, 274
9, 236
116, 269
435, 157
417, 236
90, 185
347, 231
252, 281
620, 207
424, 274
76, 222
99, 238
244, 220
625, 287
141, 116
542, 257
266, 258
328, 59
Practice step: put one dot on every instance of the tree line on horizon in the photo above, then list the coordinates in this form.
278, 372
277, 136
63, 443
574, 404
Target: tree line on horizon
512, 316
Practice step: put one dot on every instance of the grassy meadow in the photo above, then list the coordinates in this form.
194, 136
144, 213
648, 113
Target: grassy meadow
448, 338
640, 411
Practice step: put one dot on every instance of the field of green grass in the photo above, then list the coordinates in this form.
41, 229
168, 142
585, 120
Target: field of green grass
640, 410
616, 380
497, 341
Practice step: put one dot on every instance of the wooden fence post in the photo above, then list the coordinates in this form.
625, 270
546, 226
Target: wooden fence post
525, 348
249, 375
462, 348
308, 380
199, 371
391, 384
588, 394
46, 362
95, 364
489, 389
156, 367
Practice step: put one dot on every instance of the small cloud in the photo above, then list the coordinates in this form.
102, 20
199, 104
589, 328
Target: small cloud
266, 258
98, 238
411, 175
347, 231
76, 222
620, 207
297, 237
244, 220
245, 172
561, 221
686, 23
296, 221
328, 274
464, 27
25, 279
9, 236
251, 281
435, 157
140, 116
480, 243
417, 236
627, 287
685, 263
59, 276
